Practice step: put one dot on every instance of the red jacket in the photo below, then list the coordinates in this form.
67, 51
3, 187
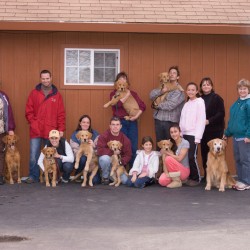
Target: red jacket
44, 113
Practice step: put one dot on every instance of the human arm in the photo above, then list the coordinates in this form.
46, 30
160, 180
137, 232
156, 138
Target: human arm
69, 157
216, 113
200, 120
180, 156
40, 160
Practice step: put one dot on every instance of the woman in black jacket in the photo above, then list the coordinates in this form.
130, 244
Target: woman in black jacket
215, 114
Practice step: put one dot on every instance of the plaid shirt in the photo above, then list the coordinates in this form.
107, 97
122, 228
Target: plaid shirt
170, 108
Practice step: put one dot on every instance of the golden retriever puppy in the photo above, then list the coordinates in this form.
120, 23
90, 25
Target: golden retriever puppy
164, 83
217, 170
50, 169
117, 168
130, 105
12, 159
164, 145
91, 165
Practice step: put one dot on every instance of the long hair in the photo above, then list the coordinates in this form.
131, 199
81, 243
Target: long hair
79, 126
196, 86
174, 147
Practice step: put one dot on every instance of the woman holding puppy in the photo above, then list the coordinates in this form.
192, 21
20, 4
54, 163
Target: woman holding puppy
145, 166
129, 127
84, 123
176, 167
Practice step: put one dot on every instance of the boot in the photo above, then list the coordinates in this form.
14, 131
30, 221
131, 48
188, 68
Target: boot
176, 181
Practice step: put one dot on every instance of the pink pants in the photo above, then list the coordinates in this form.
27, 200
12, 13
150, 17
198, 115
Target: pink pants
173, 166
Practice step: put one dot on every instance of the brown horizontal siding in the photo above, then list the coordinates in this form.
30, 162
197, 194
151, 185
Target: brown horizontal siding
225, 58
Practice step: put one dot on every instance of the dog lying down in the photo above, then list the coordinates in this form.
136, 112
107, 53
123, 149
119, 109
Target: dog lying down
217, 169
117, 168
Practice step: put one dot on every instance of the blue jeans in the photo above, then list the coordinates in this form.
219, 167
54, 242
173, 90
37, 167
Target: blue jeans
35, 150
105, 165
139, 183
242, 160
65, 168
130, 129
83, 159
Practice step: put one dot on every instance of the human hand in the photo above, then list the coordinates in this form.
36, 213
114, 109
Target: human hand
117, 152
247, 140
11, 132
91, 142
61, 133
133, 179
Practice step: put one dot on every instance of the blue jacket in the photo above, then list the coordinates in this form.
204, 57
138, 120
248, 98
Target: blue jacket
239, 121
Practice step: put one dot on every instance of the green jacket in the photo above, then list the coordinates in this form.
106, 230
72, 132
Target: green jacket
239, 121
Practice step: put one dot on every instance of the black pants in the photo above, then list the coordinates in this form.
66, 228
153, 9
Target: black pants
192, 156
162, 130
207, 136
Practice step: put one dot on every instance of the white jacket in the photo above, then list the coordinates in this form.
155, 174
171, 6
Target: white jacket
193, 118
153, 164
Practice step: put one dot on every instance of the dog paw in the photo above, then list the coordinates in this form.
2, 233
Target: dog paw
19, 181
112, 184
90, 184
207, 188
83, 184
222, 189
117, 184
12, 182
47, 185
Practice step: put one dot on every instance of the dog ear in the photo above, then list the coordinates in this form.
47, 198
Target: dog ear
4, 139
119, 145
44, 150
16, 138
210, 143
90, 135
170, 144
54, 150
159, 144
109, 144
78, 135
160, 76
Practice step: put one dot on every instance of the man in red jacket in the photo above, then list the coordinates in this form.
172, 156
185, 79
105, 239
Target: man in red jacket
44, 112
105, 153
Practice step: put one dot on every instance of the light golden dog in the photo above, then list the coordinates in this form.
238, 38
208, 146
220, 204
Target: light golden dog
164, 145
12, 159
117, 168
217, 170
91, 165
130, 105
50, 169
164, 82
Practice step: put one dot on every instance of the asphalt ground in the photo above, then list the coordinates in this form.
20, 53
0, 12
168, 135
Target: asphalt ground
105, 217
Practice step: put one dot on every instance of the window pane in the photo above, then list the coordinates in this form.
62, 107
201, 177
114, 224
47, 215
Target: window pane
99, 59
71, 75
99, 75
110, 59
84, 58
84, 75
72, 58
110, 75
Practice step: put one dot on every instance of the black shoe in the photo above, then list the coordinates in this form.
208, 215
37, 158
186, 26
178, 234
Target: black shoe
192, 183
105, 181
29, 180
1, 180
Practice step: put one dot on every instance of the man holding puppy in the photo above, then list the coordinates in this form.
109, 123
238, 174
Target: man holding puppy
105, 153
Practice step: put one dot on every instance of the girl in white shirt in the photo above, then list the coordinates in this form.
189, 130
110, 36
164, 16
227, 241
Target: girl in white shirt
145, 166
192, 124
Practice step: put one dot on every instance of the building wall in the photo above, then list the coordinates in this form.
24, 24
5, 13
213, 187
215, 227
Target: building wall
225, 58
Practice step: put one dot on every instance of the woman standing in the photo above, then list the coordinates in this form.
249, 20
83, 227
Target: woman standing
215, 114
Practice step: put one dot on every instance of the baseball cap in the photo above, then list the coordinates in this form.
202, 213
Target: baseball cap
54, 133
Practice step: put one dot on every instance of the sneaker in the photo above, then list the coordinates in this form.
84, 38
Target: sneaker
1, 180
105, 181
192, 183
64, 181
240, 186
29, 180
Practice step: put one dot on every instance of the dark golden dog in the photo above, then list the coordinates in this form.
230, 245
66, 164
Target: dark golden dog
164, 83
164, 145
117, 168
130, 105
91, 165
50, 169
217, 170
12, 159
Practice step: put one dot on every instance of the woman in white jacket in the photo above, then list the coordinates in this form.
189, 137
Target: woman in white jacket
192, 124
145, 166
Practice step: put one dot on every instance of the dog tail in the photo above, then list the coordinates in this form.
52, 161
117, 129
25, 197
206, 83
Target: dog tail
230, 181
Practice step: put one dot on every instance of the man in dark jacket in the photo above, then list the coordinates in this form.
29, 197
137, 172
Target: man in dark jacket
44, 112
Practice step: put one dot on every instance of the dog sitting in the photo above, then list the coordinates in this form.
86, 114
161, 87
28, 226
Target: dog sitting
91, 165
164, 145
12, 159
117, 168
50, 168
164, 83
217, 170
130, 105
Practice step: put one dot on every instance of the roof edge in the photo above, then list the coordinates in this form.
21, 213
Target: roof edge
127, 27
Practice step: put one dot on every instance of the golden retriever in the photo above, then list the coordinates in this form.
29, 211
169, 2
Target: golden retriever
12, 159
164, 82
91, 165
217, 170
117, 168
164, 145
130, 105
50, 169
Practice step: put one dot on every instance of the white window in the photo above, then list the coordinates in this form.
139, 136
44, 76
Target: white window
91, 66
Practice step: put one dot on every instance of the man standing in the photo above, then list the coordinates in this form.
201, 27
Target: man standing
44, 112
168, 111
105, 153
